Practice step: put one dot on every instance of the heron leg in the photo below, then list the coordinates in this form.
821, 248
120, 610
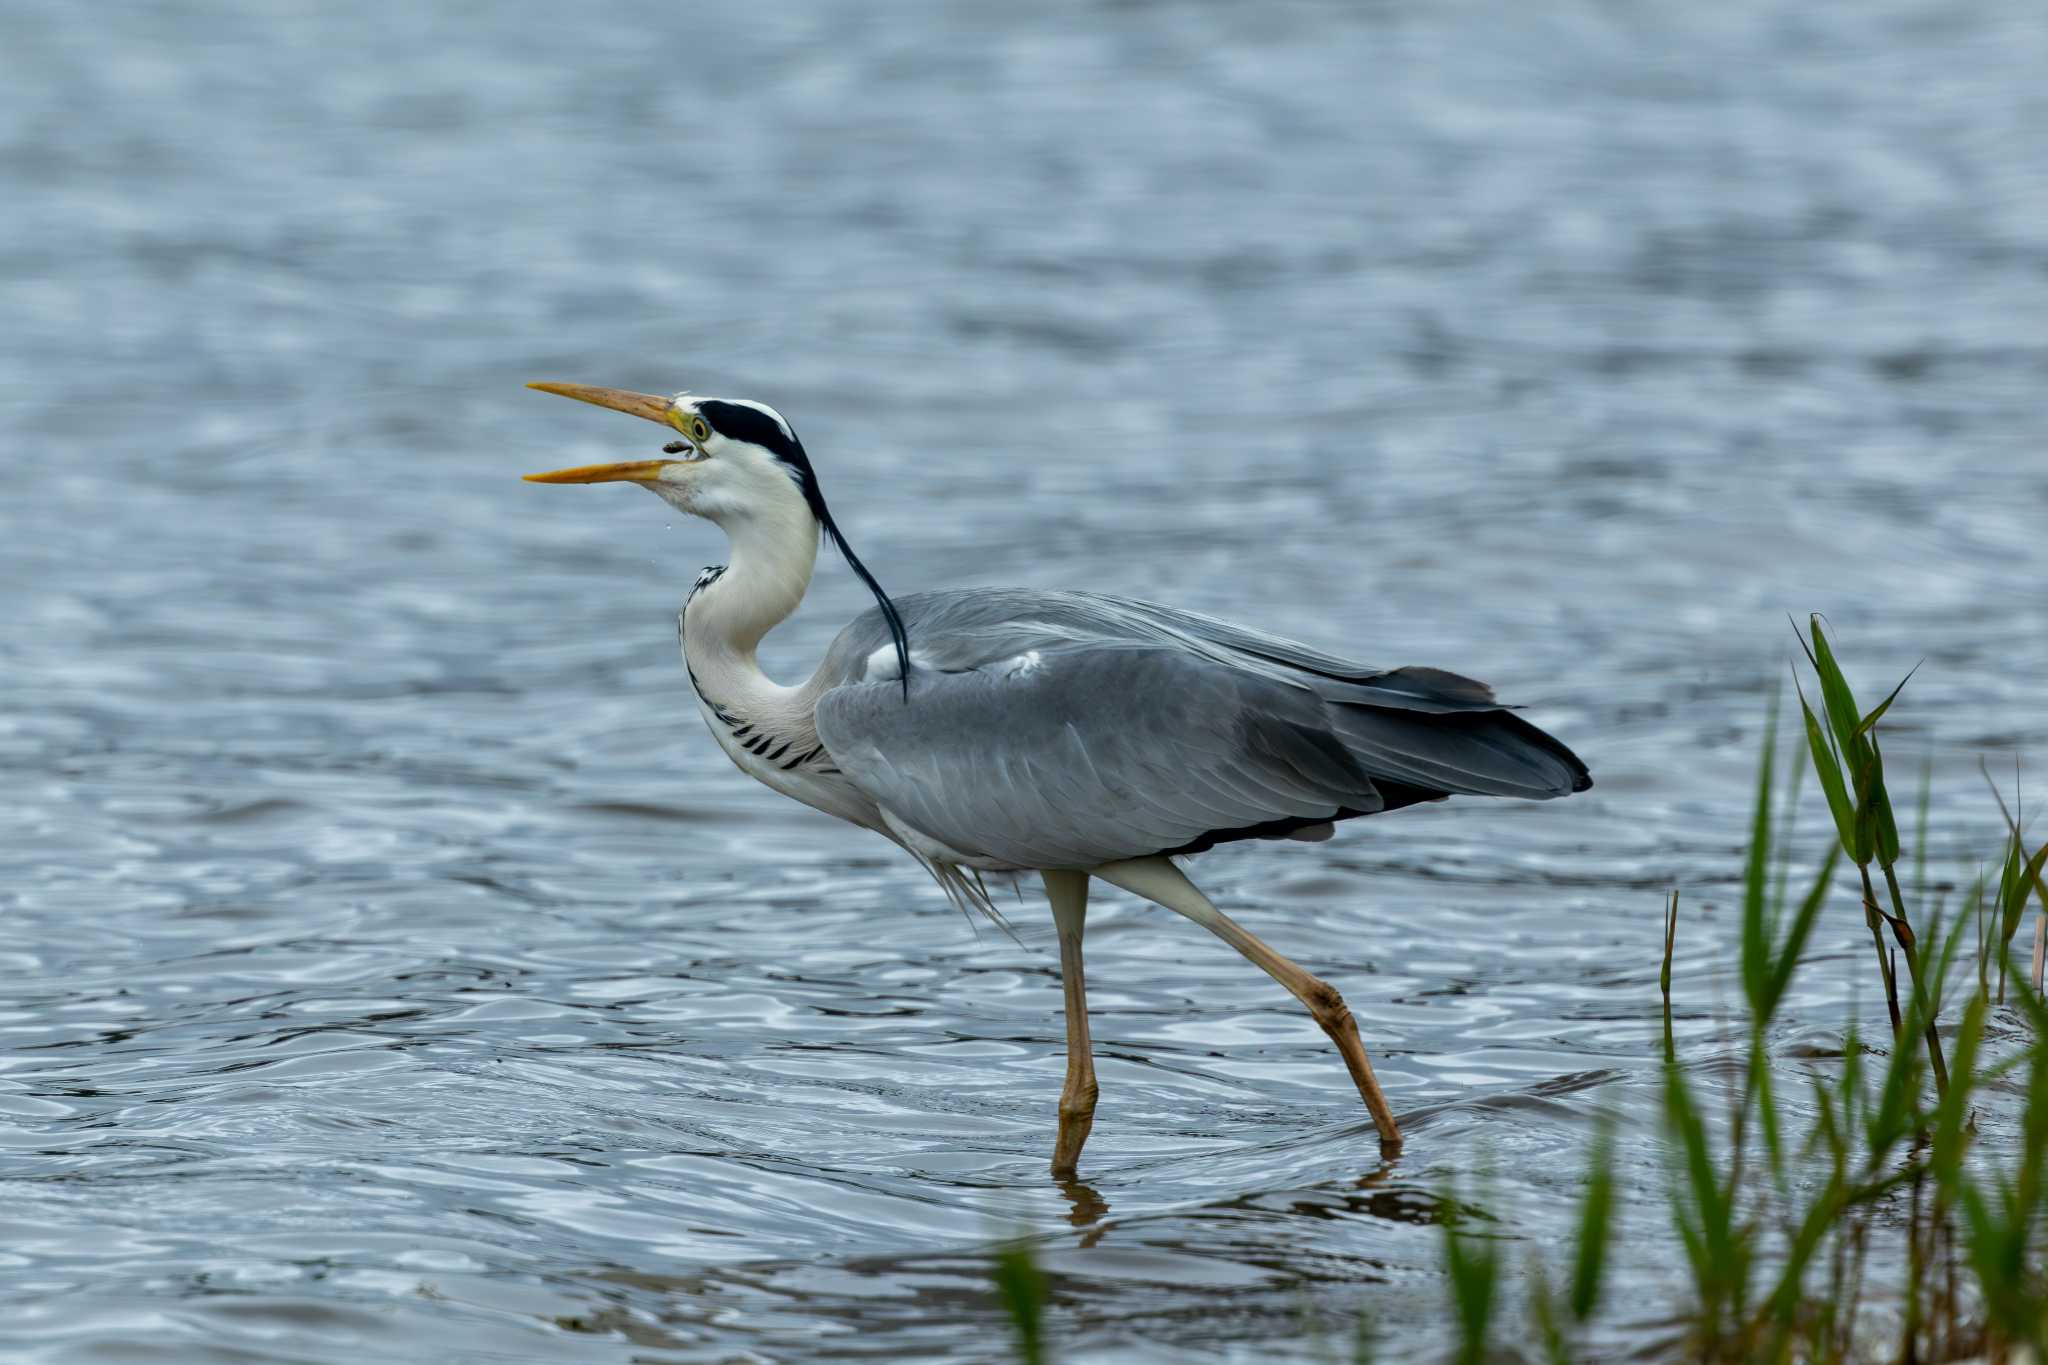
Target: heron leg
1068, 892
1159, 881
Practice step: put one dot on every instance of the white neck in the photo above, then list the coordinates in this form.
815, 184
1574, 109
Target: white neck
774, 549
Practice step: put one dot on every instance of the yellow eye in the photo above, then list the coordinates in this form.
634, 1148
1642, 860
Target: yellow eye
700, 429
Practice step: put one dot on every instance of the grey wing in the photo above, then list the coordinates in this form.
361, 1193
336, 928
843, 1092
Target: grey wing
1057, 730
967, 629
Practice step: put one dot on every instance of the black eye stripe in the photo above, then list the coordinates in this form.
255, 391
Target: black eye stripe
743, 423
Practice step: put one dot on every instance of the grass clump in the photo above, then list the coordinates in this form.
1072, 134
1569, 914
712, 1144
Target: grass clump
1785, 1219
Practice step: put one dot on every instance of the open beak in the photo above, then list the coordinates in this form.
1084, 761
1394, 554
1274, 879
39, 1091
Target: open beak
635, 471
651, 406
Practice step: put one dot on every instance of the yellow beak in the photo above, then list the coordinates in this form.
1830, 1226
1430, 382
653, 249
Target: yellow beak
637, 471
651, 406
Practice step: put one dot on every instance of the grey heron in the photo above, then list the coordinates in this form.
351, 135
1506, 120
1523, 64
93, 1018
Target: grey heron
1070, 734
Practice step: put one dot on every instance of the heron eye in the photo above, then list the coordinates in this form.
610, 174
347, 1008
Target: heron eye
700, 429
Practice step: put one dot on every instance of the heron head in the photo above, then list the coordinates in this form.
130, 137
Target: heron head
727, 458
735, 462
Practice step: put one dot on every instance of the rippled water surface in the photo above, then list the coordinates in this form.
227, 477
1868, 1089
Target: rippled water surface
392, 969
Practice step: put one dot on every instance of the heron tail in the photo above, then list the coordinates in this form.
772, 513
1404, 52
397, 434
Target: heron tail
1464, 753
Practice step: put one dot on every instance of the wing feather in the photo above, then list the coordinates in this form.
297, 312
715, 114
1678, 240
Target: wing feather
1068, 730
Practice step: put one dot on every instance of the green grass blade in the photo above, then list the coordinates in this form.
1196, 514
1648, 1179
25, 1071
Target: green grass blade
1766, 1100
1756, 928
1711, 1216
1887, 846
1829, 771
1474, 1266
1836, 698
1864, 725
1952, 1111
1365, 1340
1543, 1307
1021, 1286
2012, 889
1899, 1089
1664, 975
2032, 873
2025, 877
1820, 1218
1596, 1224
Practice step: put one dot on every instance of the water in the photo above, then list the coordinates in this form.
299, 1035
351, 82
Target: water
390, 967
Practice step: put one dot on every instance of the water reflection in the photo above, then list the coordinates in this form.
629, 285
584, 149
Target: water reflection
1258, 1263
1086, 1209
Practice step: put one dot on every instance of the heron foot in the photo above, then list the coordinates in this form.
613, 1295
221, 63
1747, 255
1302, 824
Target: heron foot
1329, 1011
1077, 1117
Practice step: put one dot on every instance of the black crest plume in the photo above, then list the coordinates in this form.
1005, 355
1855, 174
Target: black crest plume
743, 422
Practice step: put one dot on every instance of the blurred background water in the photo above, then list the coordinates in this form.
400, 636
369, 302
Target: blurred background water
391, 968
